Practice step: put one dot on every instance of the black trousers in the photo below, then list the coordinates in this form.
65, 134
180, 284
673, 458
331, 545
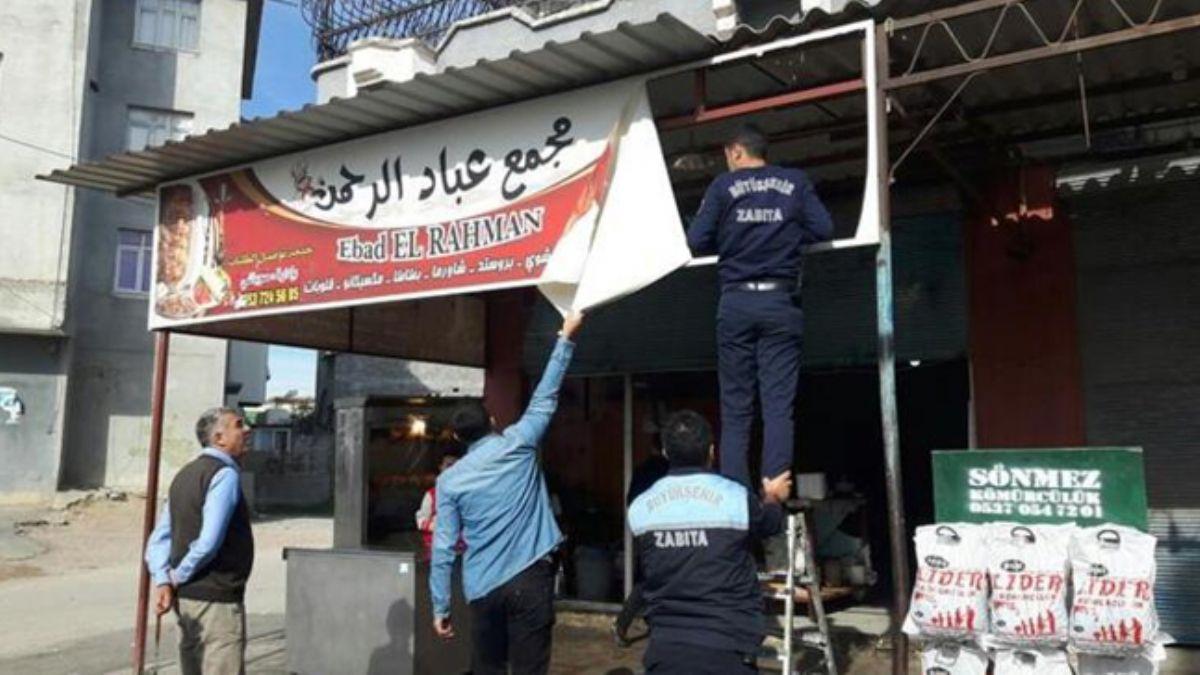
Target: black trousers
758, 353
512, 626
676, 658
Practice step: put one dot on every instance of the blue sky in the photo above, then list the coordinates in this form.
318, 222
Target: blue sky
285, 58
282, 82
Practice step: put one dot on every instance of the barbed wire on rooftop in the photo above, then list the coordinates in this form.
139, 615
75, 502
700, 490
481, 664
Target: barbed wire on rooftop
337, 23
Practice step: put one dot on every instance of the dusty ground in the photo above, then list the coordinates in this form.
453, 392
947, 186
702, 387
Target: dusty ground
74, 576
18, 571
68, 583
88, 537
102, 533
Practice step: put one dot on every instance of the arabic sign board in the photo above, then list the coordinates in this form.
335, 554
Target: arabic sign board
1087, 486
519, 195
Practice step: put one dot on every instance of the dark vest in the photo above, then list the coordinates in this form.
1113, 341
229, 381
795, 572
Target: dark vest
223, 579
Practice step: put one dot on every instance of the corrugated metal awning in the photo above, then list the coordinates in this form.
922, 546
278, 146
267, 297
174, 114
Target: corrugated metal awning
625, 50
1075, 105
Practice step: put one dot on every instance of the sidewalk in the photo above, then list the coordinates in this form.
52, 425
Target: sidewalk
68, 587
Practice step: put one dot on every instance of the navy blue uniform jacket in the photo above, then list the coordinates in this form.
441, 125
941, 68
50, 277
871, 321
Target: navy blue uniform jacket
693, 531
757, 220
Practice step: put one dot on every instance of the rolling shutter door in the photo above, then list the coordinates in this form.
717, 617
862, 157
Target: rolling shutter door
1138, 266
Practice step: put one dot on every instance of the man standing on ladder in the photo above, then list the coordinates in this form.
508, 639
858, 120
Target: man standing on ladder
757, 218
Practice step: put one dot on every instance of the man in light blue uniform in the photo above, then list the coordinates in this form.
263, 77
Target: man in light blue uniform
495, 499
694, 531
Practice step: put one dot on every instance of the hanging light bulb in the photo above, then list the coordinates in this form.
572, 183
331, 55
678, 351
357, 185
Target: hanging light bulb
417, 426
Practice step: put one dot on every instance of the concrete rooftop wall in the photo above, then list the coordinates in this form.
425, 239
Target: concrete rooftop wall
43, 61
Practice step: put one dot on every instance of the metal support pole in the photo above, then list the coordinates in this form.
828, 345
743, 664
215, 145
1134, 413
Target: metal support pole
627, 476
158, 394
885, 318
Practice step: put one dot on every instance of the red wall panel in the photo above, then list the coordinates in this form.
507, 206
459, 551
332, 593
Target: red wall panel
1024, 336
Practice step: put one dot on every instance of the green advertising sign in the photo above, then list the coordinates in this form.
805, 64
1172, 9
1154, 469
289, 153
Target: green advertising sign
1087, 486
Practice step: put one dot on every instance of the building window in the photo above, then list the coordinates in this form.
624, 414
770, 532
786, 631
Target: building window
168, 24
273, 441
134, 248
151, 128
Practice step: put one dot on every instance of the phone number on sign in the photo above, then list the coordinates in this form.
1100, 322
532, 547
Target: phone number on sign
269, 297
1039, 510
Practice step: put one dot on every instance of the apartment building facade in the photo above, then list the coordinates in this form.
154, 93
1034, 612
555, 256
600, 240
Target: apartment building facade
83, 79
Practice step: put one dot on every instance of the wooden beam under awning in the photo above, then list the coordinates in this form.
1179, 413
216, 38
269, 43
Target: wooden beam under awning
448, 329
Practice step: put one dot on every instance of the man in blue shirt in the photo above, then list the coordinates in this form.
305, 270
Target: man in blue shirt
495, 499
757, 218
201, 553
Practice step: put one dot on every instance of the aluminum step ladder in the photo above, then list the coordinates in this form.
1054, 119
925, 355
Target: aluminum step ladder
801, 572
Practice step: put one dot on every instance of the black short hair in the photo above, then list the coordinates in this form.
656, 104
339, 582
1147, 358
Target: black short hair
470, 421
686, 438
751, 137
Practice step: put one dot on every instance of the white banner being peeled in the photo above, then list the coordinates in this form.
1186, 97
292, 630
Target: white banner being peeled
631, 234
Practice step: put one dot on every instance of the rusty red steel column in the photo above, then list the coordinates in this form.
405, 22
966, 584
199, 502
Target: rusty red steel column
158, 394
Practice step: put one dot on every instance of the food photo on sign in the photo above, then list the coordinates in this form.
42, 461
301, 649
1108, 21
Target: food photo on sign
190, 278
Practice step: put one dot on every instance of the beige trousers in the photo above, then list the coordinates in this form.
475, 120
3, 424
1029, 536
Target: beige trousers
212, 637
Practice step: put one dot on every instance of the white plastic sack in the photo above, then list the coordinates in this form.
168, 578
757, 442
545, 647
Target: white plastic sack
1113, 611
953, 659
949, 599
1032, 662
1028, 569
1140, 664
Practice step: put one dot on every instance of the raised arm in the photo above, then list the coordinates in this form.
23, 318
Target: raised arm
818, 224
528, 431
766, 514
702, 235
766, 518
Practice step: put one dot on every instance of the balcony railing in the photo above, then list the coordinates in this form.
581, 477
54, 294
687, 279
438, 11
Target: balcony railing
337, 23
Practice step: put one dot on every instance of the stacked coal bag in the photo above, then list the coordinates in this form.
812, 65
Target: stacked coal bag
1035, 599
949, 608
1029, 573
949, 600
1114, 625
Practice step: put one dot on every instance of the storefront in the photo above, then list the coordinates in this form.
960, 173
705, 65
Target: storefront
413, 219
